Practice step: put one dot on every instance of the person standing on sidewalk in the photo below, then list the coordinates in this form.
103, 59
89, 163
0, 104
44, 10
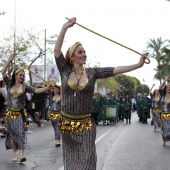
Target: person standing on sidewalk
3, 98
2, 131
146, 105
128, 110
97, 106
77, 123
16, 114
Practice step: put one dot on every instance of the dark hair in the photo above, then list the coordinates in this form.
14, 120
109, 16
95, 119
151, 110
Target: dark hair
1, 83
154, 91
164, 90
56, 86
13, 78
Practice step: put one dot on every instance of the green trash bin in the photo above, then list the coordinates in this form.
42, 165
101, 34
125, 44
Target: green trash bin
101, 116
110, 112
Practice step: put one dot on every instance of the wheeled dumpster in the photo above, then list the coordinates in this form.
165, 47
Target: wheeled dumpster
109, 112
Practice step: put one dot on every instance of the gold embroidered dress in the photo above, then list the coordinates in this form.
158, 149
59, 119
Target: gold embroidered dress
14, 114
165, 119
156, 110
77, 125
55, 109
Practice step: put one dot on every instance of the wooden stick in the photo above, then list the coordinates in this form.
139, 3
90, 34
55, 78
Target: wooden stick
147, 62
26, 67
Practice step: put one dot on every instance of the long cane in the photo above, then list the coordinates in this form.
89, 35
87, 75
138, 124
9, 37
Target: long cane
147, 62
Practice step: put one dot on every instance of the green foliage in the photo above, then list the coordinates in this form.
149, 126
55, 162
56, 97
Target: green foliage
131, 84
108, 83
143, 88
159, 52
28, 46
165, 62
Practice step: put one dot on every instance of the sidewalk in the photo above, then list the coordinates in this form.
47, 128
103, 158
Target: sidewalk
33, 125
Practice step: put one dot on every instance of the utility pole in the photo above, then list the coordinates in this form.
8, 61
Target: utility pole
14, 46
45, 54
15, 27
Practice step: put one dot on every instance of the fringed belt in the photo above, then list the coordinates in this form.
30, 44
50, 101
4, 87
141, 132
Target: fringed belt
74, 124
13, 113
54, 115
157, 110
165, 115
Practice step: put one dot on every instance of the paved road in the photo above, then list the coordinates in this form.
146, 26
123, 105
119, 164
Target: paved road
122, 146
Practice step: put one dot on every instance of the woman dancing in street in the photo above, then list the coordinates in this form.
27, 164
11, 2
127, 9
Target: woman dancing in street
165, 110
54, 113
16, 114
77, 124
155, 108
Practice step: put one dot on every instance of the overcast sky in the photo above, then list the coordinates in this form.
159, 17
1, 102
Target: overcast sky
129, 22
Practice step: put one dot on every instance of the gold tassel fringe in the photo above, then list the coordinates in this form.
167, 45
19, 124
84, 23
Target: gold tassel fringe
157, 110
165, 116
74, 126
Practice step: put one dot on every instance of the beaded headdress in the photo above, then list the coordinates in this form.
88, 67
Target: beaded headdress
168, 83
18, 70
72, 48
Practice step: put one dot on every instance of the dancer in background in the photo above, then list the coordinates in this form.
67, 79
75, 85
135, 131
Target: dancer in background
16, 114
55, 111
165, 110
77, 123
155, 108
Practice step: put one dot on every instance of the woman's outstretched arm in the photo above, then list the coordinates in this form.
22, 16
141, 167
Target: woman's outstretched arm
124, 69
6, 65
163, 83
60, 38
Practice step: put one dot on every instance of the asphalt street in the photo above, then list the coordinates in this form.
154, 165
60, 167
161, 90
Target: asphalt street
120, 146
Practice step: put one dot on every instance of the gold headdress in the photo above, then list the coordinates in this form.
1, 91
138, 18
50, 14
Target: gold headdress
72, 48
18, 70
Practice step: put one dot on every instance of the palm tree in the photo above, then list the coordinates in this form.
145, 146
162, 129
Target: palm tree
160, 72
165, 62
155, 46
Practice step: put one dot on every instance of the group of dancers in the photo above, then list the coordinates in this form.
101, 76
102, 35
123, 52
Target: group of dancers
73, 111
16, 114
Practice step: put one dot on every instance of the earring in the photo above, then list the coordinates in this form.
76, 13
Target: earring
71, 62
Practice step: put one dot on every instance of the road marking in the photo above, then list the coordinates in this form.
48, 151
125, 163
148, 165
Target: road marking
97, 140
